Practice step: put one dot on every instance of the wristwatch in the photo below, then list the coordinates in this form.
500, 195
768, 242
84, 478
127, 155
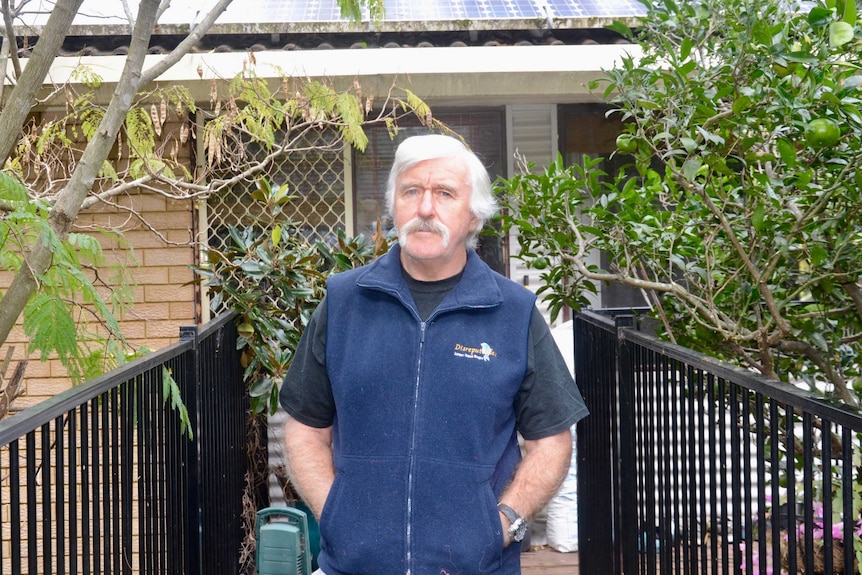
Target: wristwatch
518, 525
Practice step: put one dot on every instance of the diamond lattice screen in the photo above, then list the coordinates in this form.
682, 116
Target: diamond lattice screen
315, 176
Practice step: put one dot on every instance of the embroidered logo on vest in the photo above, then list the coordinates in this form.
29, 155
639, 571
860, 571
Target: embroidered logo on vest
484, 352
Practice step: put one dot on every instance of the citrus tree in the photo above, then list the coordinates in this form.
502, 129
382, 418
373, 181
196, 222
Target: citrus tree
740, 214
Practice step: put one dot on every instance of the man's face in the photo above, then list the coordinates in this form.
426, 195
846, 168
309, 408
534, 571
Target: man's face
432, 215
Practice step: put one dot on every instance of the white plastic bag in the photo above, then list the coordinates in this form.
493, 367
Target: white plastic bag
562, 524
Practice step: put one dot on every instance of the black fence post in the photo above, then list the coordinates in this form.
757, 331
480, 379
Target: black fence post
595, 352
193, 562
626, 503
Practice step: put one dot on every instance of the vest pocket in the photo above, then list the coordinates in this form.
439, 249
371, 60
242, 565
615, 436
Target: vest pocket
362, 523
455, 520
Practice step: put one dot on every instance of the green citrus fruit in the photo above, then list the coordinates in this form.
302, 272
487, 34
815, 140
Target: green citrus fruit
822, 133
627, 144
540, 263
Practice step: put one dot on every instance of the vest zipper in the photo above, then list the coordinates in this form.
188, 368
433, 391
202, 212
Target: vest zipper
409, 533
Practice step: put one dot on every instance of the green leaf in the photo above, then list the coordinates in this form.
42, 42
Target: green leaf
690, 168
819, 16
741, 104
818, 255
757, 217
685, 48
171, 392
850, 12
840, 33
786, 150
12, 191
49, 325
261, 387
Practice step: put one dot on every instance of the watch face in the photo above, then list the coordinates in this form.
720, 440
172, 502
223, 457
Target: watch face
518, 529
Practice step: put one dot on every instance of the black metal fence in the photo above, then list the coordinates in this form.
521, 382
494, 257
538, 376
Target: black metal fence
689, 465
104, 479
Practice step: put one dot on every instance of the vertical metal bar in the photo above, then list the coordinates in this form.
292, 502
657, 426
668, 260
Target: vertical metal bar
625, 368
116, 465
128, 471
826, 489
790, 471
196, 559
15, 505
32, 530
808, 491
161, 474
105, 467
735, 530
73, 491
666, 395
748, 521
60, 499
95, 466
775, 471
848, 516
722, 475
142, 445
712, 477
47, 516
702, 460
760, 435
691, 450
85, 485
635, 373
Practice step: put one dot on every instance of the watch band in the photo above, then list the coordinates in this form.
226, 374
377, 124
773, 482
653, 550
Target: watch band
518, 527
510, 513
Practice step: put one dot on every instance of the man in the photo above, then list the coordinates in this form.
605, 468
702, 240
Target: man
411, 383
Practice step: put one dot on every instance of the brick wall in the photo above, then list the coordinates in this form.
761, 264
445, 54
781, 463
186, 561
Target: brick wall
159, 267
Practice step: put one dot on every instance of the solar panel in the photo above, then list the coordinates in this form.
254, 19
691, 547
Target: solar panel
424, 10
109, 12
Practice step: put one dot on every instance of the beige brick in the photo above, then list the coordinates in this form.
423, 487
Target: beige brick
152, 275
167, 293
143, 238
182, 311
183, 236
47, 387
180, 275
134, 329
178, 205
173, 256
164, 221
159, 341
37, 369
149, 202
163, 329
147, 311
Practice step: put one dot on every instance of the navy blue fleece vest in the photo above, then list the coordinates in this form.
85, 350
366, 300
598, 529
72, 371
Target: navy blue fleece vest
424, 433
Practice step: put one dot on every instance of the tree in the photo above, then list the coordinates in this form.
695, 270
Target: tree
740, 213
49, 176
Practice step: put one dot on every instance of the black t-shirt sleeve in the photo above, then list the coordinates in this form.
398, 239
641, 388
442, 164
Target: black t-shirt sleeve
306, 394
548, 402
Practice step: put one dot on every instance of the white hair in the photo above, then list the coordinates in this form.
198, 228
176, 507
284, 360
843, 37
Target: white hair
417, 149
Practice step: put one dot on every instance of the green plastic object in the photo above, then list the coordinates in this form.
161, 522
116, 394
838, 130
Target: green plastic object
282, 542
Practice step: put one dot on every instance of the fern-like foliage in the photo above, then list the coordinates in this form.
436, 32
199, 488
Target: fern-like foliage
51, 329
171, 393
